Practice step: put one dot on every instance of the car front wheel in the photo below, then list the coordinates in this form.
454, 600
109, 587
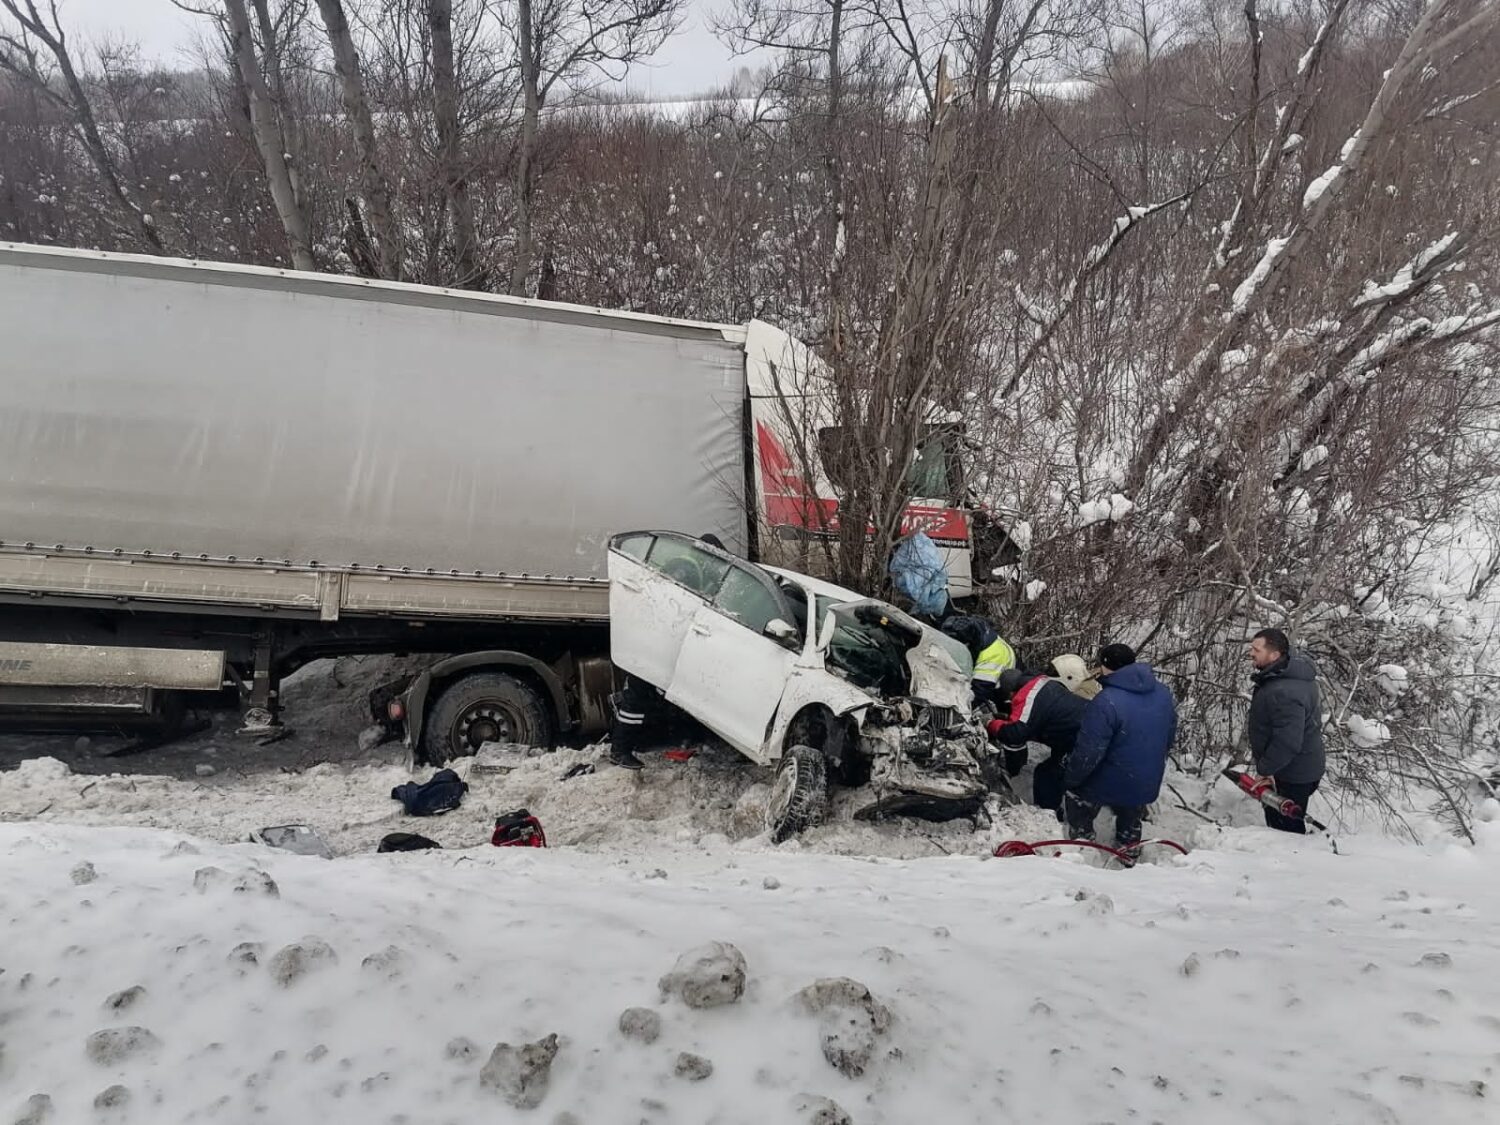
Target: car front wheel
799, 795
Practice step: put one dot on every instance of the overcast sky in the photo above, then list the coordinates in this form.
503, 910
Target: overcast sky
693, 61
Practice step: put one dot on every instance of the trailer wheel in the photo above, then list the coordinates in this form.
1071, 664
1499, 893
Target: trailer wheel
485, 707
799, 795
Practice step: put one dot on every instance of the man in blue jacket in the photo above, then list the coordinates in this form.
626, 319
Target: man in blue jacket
1121, 752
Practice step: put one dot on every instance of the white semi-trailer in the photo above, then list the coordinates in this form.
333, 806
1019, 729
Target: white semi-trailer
213, 474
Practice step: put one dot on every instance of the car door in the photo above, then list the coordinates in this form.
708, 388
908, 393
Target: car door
657, 584
730, 675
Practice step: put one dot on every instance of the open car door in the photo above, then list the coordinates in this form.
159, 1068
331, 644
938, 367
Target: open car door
658, 582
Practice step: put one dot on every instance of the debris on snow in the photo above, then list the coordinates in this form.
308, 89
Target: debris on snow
246, 955
641, 1024
851, 1022
520, 1075
709, 976
814, 1109
291, 963
461, 1049
37, 1111
125, 998
114, 1045
84, 873
112, 1097
254, 881
390, 963
694, 1068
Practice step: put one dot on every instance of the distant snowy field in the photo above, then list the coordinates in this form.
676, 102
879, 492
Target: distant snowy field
1262, 979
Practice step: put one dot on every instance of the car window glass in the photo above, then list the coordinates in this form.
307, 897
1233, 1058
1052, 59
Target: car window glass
688, 565
635, 546
748, 600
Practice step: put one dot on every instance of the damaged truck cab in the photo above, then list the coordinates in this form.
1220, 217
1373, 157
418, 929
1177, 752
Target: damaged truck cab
797, 673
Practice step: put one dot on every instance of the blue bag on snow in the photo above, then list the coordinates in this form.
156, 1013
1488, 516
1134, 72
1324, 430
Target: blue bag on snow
442, 793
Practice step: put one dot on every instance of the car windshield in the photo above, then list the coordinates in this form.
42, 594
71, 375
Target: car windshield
868, 648
872, 655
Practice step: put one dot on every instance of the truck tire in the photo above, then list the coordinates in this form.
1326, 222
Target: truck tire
485, 707
799, 795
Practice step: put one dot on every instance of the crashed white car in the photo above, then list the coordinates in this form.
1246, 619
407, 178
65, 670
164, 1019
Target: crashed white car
793, 671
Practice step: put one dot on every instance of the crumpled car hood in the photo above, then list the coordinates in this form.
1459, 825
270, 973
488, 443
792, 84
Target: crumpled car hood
936, 678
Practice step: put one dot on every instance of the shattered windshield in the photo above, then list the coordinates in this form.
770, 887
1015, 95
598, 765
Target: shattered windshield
871, 655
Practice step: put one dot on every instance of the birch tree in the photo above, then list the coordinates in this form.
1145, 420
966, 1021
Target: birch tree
385, 260
266, 123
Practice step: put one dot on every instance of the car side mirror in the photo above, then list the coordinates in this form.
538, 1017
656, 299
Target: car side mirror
778, 630
825, 635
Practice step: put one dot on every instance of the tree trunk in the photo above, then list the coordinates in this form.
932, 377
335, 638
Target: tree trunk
372, 181
275, 75
445, 111
82, 111
268, 138
531, 112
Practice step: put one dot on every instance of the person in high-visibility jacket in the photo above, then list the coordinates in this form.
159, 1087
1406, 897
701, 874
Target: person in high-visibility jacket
991, 654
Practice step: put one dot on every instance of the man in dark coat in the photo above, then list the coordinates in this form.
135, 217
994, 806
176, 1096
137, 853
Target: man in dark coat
1286, 723
1121, 753
1041, 710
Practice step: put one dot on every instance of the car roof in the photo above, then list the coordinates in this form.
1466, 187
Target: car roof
817, 585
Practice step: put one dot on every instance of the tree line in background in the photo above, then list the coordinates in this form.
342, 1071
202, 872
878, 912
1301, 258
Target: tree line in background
1199, 298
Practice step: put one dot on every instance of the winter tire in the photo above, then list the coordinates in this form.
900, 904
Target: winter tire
485, 707
799, 795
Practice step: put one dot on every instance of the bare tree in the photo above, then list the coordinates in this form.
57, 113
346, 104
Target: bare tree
270, 139
445, 100
21, 55
373, 185
570, 42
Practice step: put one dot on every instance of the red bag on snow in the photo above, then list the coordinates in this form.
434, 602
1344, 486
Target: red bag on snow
518, 829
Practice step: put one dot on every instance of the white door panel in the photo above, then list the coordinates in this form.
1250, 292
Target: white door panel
649, 617
730, 679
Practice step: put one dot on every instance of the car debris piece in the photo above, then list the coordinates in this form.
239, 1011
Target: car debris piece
300, 839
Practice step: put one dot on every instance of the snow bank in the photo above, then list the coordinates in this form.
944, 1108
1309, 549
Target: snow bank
1270, 980
717, 797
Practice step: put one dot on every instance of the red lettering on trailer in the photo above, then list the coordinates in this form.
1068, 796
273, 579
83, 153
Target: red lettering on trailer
791, 502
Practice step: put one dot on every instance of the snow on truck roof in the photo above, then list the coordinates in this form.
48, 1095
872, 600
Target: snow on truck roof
358, 288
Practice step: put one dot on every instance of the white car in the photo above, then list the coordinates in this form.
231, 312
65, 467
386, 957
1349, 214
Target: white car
798, 673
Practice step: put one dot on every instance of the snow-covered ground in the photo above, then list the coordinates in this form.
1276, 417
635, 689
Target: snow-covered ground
1263, 978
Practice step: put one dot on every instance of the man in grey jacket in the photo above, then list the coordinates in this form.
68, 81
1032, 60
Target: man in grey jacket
1286, 723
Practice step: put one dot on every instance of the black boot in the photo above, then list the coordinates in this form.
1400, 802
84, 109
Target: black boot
625, 759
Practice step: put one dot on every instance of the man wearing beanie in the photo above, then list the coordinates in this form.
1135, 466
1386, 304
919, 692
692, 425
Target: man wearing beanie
1120, 756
